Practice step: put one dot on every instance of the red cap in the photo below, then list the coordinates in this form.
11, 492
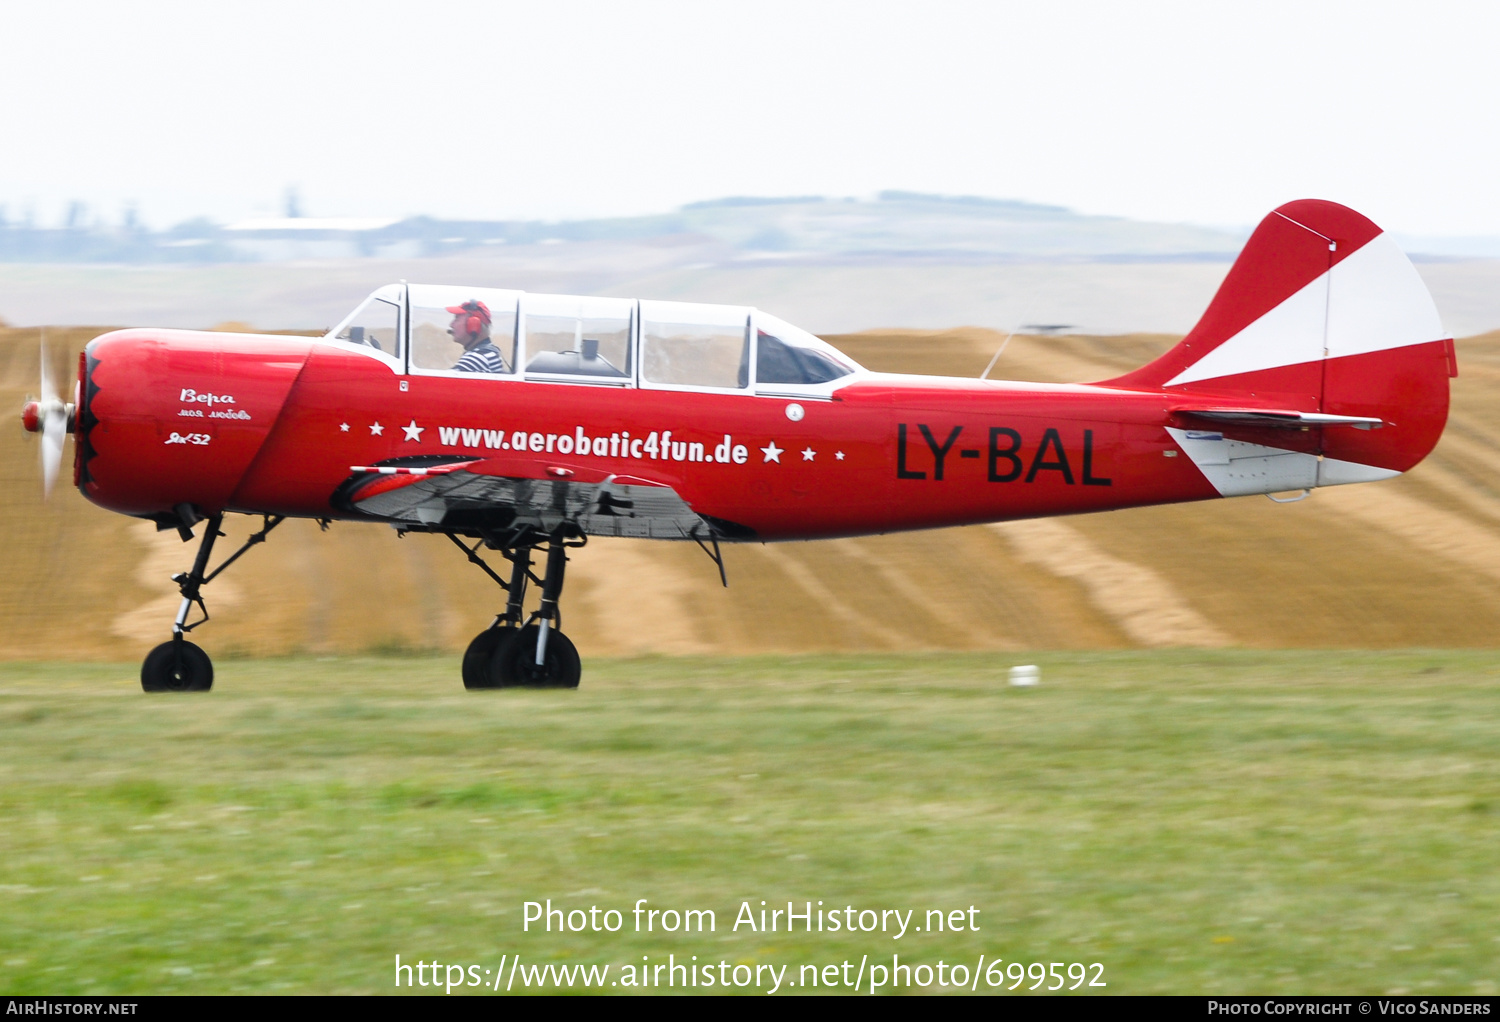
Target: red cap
473, 307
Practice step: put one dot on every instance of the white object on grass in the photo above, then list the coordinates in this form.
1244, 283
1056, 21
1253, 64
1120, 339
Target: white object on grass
1025, 675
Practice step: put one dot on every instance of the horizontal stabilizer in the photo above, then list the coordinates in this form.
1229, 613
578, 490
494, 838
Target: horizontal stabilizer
1279, 418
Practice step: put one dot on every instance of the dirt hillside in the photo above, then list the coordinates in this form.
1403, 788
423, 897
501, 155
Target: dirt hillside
1410, 562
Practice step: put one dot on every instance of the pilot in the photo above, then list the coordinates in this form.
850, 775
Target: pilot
471, 328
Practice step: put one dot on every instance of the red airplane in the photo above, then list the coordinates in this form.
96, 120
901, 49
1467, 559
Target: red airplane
523, 424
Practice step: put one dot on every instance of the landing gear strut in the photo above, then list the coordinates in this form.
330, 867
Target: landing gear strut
178, 665
519, 649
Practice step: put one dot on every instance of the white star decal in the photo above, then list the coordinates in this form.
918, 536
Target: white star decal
413, 432
377, 429
808, 454
772, 453
343, 427
839, 455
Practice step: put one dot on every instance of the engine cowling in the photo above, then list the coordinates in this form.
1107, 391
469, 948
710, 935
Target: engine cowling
173, 417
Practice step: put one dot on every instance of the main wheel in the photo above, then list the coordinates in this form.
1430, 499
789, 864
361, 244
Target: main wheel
514, 660
177, 667
476, 669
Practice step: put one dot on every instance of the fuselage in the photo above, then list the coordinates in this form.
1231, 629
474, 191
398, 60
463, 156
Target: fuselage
486, 411
273, 424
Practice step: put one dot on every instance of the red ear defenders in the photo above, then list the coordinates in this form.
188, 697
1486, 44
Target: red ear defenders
479, 315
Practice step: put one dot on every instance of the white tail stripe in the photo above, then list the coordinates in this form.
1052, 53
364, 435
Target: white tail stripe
1379, 302
1373, 300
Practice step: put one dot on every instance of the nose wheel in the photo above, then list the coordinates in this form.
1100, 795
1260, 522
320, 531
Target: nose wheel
178, 665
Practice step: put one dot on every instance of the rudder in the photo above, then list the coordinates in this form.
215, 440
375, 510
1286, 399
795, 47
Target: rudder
1323, 321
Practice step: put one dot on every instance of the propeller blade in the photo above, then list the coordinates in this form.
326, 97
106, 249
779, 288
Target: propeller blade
54, 428
51, 420
49, 389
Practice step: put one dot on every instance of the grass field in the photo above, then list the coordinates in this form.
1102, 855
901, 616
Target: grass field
1207, 821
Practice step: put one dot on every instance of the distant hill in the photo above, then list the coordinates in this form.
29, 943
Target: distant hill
892, 224
914, 224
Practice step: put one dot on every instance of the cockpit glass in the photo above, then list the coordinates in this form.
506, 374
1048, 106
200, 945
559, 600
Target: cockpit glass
695, 345
786, 354
468, 329
578, 336
375, 324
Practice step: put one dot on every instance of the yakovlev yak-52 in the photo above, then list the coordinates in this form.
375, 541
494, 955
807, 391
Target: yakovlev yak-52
525, 423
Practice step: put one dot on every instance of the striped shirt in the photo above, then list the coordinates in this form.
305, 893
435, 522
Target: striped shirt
484, 359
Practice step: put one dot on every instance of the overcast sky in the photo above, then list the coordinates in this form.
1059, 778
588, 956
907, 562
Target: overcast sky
1193, 112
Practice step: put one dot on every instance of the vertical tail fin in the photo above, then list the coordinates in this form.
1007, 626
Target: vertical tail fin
1322, 314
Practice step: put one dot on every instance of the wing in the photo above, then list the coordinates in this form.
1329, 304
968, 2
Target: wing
475, 494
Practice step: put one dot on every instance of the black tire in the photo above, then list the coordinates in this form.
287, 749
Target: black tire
477, 670
514, 661
162, 671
